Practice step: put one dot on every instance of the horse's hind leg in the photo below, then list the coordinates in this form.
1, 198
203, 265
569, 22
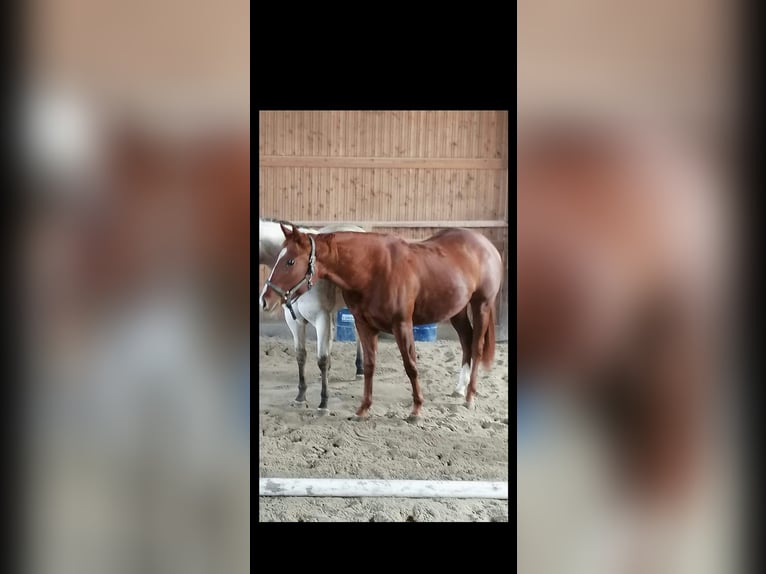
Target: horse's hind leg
406, 343
298, 329
359, 364
481, 318
465, 332
324, 345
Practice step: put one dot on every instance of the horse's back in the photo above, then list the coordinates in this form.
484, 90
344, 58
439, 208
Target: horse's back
472, 250
450, 269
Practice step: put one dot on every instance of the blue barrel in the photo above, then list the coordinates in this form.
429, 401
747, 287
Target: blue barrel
425, 332
344, 328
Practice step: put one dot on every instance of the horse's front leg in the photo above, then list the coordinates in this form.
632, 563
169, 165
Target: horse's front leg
324, 346
369, 339
298, 329
406, 342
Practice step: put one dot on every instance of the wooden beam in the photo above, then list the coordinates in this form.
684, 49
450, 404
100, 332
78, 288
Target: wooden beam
485, 224
383, 162
355, 488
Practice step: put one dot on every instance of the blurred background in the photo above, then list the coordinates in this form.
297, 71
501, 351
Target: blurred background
135, 131
675, 61
662, 72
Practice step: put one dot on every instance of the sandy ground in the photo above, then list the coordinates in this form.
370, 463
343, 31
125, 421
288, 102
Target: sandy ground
452, 443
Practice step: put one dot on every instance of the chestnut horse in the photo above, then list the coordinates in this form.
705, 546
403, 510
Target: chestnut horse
390, 285
621, 288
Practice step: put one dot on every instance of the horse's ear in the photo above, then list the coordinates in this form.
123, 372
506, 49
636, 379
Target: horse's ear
300, 238
288, 231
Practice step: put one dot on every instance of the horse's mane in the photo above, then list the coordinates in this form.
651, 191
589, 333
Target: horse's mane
287, 223
417, 245
272, 220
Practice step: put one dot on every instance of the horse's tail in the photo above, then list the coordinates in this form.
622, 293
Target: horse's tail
488, 353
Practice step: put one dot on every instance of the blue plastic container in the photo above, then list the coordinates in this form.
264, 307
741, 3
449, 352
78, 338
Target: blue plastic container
425, 332
344, 326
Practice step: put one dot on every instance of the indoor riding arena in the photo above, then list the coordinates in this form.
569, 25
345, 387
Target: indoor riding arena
411, 174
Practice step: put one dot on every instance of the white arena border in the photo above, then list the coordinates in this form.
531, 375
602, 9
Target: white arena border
354, 488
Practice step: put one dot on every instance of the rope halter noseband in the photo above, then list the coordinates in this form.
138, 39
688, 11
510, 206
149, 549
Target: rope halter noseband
287, 298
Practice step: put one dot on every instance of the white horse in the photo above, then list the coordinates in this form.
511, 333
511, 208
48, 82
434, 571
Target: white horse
317, 306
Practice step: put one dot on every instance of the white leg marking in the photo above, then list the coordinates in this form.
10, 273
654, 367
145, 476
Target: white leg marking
465, 374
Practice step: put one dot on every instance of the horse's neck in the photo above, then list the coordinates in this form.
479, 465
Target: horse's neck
340, 266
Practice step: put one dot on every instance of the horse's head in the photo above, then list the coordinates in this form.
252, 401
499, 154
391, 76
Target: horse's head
294, 272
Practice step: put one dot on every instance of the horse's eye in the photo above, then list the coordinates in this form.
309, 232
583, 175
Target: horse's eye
291, 262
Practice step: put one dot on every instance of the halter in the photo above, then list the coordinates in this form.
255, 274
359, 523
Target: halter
286, 295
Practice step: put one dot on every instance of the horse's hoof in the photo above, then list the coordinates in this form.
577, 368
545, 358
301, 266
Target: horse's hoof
458, 395
299, 404
470, 405
415, 419
323, 412
360, 418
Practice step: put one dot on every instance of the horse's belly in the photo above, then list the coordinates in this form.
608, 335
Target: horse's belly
436, 314
435, 307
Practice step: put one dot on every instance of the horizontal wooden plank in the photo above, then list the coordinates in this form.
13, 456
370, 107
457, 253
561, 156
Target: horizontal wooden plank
386, 224
354, 488
382, 162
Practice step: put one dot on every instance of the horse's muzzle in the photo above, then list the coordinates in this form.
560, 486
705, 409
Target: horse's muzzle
268, 299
